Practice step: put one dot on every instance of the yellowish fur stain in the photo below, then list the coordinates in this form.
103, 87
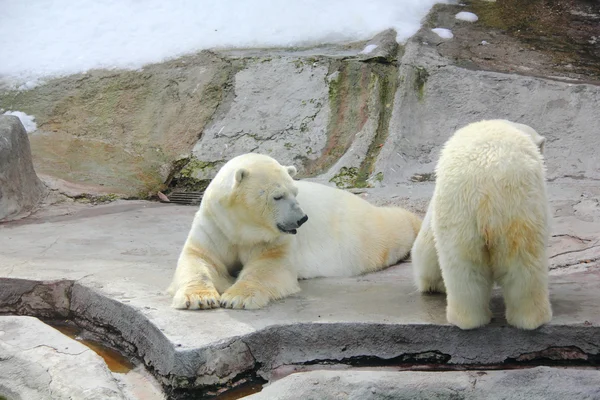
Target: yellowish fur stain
521, 237
274, 253
197, 251
383, 260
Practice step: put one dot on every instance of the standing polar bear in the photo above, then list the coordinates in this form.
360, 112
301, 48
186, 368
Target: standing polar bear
257, 222
488, 222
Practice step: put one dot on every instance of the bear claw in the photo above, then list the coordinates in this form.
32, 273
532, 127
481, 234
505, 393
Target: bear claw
194, 299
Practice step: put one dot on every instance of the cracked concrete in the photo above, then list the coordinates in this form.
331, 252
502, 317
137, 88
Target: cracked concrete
541, 383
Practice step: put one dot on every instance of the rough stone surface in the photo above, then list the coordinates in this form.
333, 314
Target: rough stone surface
383, 47
281, 107
540, 383
120, 132
38, 362
536, 38
371, 122
114, 263
435, 99
20, 188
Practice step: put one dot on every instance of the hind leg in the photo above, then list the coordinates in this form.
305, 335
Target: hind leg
467, 277
525, 287
468, 289
426, 268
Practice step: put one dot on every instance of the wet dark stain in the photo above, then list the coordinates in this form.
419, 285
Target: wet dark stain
114, 360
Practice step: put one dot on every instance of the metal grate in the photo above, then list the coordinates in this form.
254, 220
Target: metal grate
187, 198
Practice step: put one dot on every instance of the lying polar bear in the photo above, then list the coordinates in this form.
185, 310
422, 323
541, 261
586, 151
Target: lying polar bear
256, 220
488, 222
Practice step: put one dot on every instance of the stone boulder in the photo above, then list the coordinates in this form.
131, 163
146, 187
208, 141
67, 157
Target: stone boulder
38, 362
20, 187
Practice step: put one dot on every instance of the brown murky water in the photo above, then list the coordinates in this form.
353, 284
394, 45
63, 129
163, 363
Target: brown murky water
118, 363
115, 361
243, 390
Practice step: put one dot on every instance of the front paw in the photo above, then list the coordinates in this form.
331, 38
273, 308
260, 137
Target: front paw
196, 297
244, 296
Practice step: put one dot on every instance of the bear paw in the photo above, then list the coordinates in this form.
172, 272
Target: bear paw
431, 286
529, 317
244, 296
194, 298
469, 320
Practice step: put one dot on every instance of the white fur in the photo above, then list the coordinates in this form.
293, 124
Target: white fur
235, 230
488, 222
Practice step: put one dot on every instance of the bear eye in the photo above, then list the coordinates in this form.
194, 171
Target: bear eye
276, 198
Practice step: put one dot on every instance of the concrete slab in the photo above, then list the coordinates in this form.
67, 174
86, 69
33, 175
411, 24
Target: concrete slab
541, 383
107, 268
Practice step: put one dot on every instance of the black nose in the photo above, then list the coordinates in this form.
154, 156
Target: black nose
302, 220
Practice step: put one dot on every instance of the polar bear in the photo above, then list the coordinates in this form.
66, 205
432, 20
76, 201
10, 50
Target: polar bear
258, 223
488, 222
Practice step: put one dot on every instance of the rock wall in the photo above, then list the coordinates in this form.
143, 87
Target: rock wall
122, 132
436, 98
341, 116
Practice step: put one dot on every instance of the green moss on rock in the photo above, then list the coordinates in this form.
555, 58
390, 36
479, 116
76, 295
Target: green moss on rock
192, 177
421, 76
345, 178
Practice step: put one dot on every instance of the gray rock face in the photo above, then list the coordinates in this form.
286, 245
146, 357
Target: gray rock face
540, 383
383, 47
435, 99
280, 108
20, 188
38, 362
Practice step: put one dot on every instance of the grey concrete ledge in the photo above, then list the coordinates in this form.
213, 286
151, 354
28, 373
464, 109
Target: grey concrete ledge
107, 269
208, 356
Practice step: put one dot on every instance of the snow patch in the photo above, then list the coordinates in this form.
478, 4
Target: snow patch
52, 38
466, 16
27, 120
368, 48
443, 33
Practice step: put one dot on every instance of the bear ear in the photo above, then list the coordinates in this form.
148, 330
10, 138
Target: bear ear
240, 175
540, 142
291, 170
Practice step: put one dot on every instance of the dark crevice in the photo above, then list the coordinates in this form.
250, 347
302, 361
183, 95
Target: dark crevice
241, 385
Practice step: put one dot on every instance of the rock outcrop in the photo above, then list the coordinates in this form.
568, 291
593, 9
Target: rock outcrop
20, 188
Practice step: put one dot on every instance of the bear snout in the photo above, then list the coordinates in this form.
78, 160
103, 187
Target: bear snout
302, 220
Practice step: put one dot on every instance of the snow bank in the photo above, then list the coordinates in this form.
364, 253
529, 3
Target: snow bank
27, 120
45, 38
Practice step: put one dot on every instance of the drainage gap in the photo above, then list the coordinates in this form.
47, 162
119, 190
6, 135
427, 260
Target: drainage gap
244, 385
115, 360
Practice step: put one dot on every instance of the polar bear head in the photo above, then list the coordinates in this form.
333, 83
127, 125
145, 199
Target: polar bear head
262, 201
538, 139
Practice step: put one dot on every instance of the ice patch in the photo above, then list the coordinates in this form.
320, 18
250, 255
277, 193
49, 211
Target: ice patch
368, 48
466, 16
27, 120
443, 33
52, 38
